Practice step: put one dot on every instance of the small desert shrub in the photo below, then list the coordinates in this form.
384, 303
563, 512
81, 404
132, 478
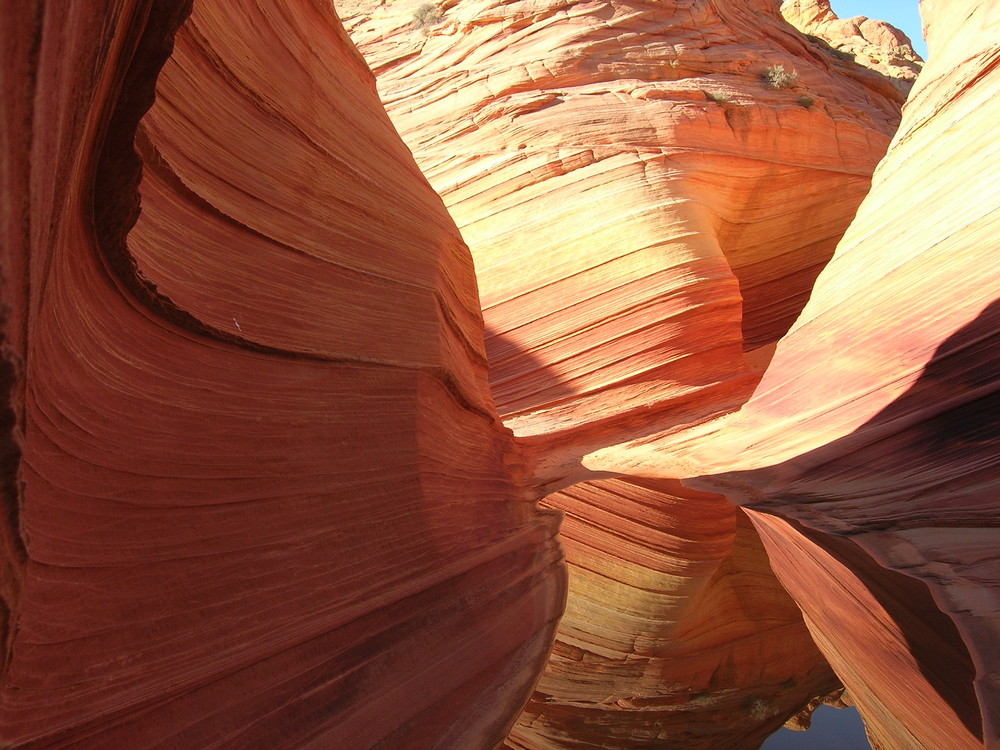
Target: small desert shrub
717, 97
701, 700
759, 709
806, 101
776, 77
426, 14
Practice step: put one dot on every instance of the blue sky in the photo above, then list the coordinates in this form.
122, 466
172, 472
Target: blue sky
902, 14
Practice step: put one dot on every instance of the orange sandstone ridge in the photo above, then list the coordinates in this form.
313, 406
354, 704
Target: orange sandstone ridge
648, 190
946, 684
257, 494
873, 44
867, 456
258, 489
647, 216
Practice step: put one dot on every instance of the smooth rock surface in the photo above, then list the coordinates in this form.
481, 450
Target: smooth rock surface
642, 207
869, 451
873, 44
256, 492
647, 217
676, 631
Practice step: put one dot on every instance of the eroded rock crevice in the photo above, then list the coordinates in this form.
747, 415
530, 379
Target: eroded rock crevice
276, 433
605, 359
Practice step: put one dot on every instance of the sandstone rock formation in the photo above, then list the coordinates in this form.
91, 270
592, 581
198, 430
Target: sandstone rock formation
642, 207
647, 217
256, 490
867, 457
803, 720
256, 494
873, 44
676, 632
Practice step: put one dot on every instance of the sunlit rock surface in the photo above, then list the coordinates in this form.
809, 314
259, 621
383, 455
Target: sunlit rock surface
868, 454
256, 494
647, 216
868, 42
873, 504
676, 632
642, 207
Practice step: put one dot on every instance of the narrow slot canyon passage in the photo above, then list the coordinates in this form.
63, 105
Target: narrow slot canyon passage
526, 374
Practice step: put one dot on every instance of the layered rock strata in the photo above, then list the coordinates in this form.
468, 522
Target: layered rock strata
229, 524
256, 494
871, 43
647, 210
648, 189
868, 455
676, 631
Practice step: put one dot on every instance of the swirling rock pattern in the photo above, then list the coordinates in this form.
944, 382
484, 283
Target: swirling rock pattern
868, 453
256, 493
676, 631
642, 207
871, 43
647, 217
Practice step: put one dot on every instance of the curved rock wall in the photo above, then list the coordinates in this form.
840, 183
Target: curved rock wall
868, 452
842, 494
256, 492
647, 216
643, 207
676, 632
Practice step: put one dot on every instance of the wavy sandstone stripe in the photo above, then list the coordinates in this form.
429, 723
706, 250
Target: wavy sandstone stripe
640, 206
869, 452
256, 494
676, 631
642, 211
262, 499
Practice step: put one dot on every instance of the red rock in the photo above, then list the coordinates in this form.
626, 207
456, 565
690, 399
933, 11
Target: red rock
868, 452
257, 492
647, 218
862, 473
850, 42
676, 631
803, 719
643, 210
